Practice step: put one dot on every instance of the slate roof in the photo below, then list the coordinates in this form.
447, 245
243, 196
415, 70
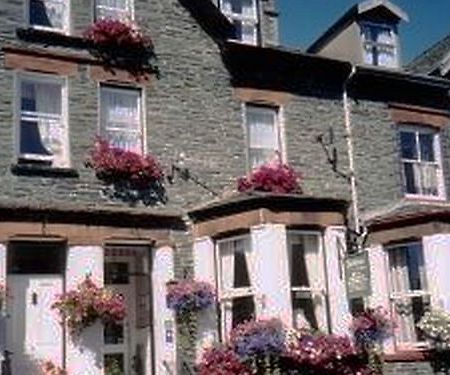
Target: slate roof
431, 60
407, 212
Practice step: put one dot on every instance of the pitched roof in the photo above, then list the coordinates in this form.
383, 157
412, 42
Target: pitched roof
210, 18
434, 60
352, 14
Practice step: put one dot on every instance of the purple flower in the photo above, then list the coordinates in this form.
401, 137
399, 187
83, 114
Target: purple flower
189, 295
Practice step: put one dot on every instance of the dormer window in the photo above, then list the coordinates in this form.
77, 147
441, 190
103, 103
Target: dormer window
379, 45
244, 16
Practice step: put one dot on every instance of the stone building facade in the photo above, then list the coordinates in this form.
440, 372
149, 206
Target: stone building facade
195, 116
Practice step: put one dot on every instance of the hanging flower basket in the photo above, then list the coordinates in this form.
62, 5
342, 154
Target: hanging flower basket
130, 176
435, 325
87, 304
121, 44
187, 296
372, 327
273, 177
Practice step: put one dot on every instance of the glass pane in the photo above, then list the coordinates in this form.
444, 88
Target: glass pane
415, 267
408, 312
234, 264
426, 142
44, 98
241, 277
259, 156
261, 125
32, 139
299, 273
410, 179
408, 145
384, 56
48, 13
357, 306
116, 273
428, 179
304, 260
304, 311
113, 334
369, 52
407, 268
30, 258
243, 309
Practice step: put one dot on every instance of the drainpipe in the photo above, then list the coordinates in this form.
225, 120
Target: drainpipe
348, 136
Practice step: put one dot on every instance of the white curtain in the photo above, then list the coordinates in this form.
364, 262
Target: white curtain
54, 14
429, 179
120, 118
404, 269
51, 127
246, 8
114, 9
262, 134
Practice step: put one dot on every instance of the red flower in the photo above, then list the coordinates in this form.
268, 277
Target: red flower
113, 164
110, 33
222, 361
273, 177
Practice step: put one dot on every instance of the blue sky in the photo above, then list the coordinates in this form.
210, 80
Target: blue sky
302, 21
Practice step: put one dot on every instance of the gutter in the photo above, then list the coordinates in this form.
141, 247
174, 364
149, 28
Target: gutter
348, 136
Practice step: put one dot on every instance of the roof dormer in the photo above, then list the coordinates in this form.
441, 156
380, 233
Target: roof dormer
366, 34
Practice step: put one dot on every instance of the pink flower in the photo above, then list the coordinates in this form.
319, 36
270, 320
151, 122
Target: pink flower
273, 177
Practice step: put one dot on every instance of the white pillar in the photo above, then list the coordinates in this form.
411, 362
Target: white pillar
3, 318
273, 297
164, 319
379, 271
84, 355
205, 270
334, 253
437, 258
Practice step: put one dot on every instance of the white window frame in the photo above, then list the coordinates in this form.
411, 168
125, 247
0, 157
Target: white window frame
42, 78
279, 130
130, 10
393, 296
314, 292
64, 30
252, 21
394, 46
417, 129
141, 109
225, 298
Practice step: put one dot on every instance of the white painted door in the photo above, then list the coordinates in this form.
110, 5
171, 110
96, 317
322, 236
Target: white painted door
34, 330
119, 340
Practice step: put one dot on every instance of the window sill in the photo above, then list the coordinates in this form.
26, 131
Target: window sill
50, 38
411, 355
36, 170
430, 198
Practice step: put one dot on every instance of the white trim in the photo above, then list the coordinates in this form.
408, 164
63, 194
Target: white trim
394, 45
19, 77
67, 20
423, 129
279, 125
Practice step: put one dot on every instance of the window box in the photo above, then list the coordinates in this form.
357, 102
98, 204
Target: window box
127, 176
121, 44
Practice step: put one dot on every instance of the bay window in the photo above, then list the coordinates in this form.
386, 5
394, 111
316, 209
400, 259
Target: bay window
263, 134
379, 44
42, 120
114, 9
420, 155
244, 16
408, 291
49, 14
307, 280
121, 118
236, 281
